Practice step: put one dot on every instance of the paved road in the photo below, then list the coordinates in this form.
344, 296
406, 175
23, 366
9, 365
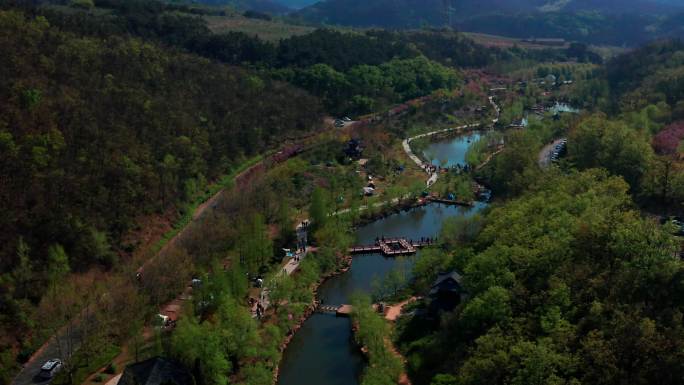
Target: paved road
69, 341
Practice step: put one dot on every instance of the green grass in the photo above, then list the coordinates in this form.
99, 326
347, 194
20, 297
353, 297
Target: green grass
188, 210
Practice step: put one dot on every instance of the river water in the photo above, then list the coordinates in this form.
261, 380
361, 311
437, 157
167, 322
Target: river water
452, 152
322, 352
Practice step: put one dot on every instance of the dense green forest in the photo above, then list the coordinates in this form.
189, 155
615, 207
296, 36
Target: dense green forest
596, 22
128, 111
97, 133
566, 284
296, 60
116, 114
571, 281
364, 65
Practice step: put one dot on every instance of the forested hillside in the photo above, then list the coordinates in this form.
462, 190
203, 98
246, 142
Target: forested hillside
270, 6
321, 62
95, 133
118, 113
566, 284
649, 75
573, 279
597, 22
129, 110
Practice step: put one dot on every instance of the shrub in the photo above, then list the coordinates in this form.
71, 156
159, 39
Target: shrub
83, 4
111, 369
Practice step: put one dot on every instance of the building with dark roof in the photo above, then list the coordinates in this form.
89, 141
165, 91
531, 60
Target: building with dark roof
446, 293
156, 371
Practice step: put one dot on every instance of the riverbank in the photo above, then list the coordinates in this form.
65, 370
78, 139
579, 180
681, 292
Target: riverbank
424, 165
373, 335
346, 262
325, 348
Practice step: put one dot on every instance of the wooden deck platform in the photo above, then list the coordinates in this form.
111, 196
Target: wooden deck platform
450, 202
390, 247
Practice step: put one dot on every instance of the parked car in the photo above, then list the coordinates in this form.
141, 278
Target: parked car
676, 222
679, 224
50, 368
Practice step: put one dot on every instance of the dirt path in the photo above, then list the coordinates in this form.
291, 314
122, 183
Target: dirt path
201, 210
489, 158
394, 311
114, 380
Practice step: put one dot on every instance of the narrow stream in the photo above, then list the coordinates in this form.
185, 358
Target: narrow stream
322, 351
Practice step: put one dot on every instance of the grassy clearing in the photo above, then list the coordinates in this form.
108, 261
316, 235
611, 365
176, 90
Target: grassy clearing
267, 30
505, 42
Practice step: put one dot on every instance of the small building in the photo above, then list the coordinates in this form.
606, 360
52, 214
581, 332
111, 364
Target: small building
446, 293
519, 123
156, 371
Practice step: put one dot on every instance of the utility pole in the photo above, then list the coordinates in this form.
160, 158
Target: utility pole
448, 13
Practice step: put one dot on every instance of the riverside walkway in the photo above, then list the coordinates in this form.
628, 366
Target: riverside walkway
426, 166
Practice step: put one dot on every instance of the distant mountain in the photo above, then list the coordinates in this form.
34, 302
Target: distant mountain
268, 6
617, 22
620, 6
296, 4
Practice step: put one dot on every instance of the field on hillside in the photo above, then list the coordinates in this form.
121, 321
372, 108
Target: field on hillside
606, 52
507, 42
267, 30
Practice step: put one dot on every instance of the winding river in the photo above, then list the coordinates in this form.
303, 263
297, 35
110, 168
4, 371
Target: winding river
322, 351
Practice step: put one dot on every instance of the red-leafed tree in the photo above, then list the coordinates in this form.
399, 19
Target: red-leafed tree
667, 141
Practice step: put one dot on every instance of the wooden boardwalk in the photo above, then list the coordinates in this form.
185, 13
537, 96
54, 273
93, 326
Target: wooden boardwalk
391, 247
340, 311
451, 202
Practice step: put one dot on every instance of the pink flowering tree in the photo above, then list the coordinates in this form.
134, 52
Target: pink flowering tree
668, 140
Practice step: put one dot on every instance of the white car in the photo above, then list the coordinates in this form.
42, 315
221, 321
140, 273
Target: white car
50, 368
